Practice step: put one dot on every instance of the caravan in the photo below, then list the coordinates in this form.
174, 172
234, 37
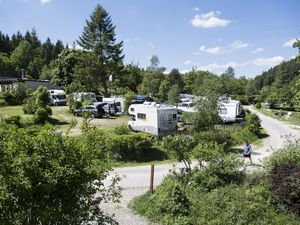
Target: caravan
229, 110
57, 97
153, 118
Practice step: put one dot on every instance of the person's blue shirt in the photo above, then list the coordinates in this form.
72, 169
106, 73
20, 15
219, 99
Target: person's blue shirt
247, 149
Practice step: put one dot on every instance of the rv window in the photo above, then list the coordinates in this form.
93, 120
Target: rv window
118, 103
141, 116
131, 109
223, 111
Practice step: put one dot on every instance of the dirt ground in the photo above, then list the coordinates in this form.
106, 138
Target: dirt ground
61, 113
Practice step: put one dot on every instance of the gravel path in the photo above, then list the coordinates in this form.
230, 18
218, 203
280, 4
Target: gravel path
136, 181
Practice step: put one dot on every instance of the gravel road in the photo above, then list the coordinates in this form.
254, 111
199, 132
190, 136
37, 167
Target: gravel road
136, 181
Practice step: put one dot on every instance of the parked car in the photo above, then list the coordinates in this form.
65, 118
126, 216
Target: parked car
96, 111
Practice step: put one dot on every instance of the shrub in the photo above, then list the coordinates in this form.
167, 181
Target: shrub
130, 147
167, 204
87, 102
41, 115
241, 205
284, 174
49, 179
253, 123
38, 104
29, 106
14, 120
123, 129
219, 171
258, 105
2, 102
180, 148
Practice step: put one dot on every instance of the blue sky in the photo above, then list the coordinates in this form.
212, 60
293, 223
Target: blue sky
249, 35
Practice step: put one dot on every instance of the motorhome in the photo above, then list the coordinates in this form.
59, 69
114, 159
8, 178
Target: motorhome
229, 110
118, 102
83, 96
153, 118
186, 107
57, 97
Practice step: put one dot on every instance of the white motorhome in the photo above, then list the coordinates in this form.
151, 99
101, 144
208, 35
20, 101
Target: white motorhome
118, 101
83, 96
57, 97
229, 110
186, 107
153, 118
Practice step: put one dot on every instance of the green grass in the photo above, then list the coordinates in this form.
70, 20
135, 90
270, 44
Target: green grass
14, 111
271, 113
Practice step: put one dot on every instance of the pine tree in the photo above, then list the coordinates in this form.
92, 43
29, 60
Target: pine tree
99, 37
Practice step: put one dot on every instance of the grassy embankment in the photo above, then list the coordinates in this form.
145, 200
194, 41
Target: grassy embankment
274, 113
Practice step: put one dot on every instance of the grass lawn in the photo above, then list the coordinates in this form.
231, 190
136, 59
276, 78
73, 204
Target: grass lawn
295, 119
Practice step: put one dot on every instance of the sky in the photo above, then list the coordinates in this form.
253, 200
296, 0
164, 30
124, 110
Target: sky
249, 35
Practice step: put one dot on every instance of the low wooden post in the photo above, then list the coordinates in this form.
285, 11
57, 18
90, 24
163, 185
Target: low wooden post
151, 178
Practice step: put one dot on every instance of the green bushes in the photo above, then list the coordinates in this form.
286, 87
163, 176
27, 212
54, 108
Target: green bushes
219, 192
284, 175
239, 205
38, 104
14, 120
253, 123
169, 203
130, 147
49, 179
258, 105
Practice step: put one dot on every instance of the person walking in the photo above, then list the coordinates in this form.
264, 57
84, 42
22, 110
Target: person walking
247, 151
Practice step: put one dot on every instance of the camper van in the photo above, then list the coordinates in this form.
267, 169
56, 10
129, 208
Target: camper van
229, 110
57, 97
83, 96
153, 118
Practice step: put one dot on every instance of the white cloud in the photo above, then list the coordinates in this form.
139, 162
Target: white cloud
238, 45
214, 50
273, 61
289, 43
209, 20
213, 67
45, 1
196, 9
187, 62
258, 50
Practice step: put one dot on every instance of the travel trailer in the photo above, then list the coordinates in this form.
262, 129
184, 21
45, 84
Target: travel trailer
229, 110
83, 96
57, 97
153, 118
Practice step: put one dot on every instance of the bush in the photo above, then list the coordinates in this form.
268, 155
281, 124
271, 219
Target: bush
220, 171
14, 120
258, 105
168, 204
253, 124
240, 205
49, 179
241, 135
130, 147
41, 115
284, 174
2, 102
87, 102
122, 130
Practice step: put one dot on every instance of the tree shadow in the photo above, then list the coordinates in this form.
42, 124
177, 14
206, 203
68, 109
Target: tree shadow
262, 136
54, 121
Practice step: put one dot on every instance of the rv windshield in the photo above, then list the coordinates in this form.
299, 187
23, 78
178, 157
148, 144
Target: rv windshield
60, 96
